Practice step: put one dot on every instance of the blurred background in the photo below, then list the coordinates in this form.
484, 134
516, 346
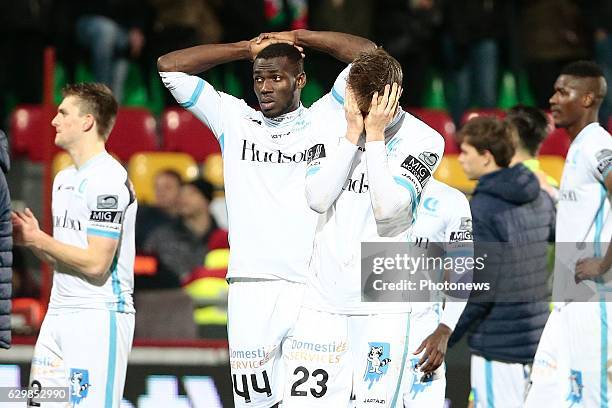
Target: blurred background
461, 58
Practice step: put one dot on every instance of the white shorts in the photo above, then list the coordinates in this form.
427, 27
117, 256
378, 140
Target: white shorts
260, 314
87, 351
336, 360
423, 391
549, 385
498, 384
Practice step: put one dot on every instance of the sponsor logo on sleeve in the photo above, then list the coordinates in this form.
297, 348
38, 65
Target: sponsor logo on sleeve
107, 202
429, 158
315, 152
466, 223
418, 172
604, 159
112, 217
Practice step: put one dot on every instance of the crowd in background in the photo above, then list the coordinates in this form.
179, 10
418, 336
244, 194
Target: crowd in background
469, 44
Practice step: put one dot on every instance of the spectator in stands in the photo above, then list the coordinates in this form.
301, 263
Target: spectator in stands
532, 128
112, 31
6, 245
165, 208
599, 18
182, 245
508, 208
475, 30
553, 34
407, 30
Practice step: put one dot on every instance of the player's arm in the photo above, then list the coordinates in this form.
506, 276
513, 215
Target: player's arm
201, 58
342, 46
459, 245
93, 261
325, 175
590, 268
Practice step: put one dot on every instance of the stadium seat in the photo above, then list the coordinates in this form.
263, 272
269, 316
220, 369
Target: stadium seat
212, 170
556, 143
441, 122
134, 132
473, 113
143, 167
451, 173
609, 124
183, 132
552, 165
27, 129
27, 312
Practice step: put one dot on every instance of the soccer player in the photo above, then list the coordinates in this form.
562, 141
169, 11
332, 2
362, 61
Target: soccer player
270, 224
443, 219
87, 333
366, 188
572, 360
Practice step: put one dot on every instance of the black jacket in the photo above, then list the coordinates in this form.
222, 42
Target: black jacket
508, 207
6, 247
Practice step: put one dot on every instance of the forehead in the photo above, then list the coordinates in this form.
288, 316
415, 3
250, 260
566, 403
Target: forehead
569, 82
276, 64
69, 103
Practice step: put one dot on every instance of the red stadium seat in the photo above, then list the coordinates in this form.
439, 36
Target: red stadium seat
610, 124
556, 143
27, 129
183, 132
473, 113
134, 132
442, 123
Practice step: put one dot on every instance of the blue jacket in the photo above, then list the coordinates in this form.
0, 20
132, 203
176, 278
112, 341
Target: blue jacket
509, 207
6, 247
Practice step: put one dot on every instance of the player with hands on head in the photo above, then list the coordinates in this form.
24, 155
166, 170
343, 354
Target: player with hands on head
365, 178
264, 158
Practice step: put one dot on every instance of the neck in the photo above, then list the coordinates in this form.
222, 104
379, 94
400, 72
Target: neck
199, 223
82, 153
490, 169
520, 156
575, 128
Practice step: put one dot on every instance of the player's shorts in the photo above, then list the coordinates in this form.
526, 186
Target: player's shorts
87, 351
423, 390
587, 326
260, 315
498, 384
336, 360
549, 385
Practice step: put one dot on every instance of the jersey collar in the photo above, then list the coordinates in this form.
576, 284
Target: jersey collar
585, 130
285, 118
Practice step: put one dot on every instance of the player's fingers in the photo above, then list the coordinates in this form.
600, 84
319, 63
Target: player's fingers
28, 212
374, 102
424, 357
392, 98
421, 347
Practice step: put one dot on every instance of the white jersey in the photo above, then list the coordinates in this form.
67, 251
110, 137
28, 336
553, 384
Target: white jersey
271, 227
413, 152
95, 200
444, 218
584, 225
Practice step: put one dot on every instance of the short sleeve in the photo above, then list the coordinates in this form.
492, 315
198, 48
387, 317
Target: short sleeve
107, 201
599, 159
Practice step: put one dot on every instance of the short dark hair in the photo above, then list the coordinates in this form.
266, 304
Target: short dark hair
370, 72
97, 100
204, 187
531, 125
279, 50
492, 134
582, 69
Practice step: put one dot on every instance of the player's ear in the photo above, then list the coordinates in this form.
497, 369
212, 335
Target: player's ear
588, 99
301, 80
88, 122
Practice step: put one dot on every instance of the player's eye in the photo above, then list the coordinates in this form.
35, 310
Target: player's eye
277, 77
258, 79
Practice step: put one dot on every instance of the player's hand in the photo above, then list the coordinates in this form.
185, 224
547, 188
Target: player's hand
288, 37
435, 349
354, 117
382, 111
589, 268
25, 227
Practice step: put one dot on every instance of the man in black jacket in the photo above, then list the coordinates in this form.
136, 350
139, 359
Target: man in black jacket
510, 210
6, 246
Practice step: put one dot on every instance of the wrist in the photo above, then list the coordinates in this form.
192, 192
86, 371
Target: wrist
604, 267
245, 50
353, 136
38, 240
375, 135
444, 329
298, 36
